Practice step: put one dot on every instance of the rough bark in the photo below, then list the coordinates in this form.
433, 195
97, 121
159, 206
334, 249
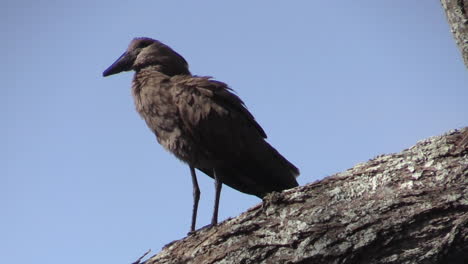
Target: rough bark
457, 16
410, 207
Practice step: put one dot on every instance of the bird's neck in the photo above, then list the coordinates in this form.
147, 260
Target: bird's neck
148, 76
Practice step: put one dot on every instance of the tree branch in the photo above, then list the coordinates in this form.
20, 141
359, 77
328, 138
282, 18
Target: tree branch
410, 207
457, 16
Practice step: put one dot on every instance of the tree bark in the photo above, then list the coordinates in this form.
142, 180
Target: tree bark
410, 207
457, 16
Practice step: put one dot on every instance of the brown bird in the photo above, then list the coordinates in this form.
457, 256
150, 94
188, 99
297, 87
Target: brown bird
203, 123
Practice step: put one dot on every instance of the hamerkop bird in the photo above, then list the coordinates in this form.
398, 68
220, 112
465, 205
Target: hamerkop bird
203, 123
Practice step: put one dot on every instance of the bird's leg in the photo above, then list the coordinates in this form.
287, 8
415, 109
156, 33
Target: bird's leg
218, 185
196, 198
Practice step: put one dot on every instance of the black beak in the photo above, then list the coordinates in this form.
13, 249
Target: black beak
123, 63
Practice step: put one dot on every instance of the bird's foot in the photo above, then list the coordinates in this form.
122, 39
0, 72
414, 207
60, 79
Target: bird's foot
191, 232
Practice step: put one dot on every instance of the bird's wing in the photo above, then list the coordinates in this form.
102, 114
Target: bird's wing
200, 97
226, 136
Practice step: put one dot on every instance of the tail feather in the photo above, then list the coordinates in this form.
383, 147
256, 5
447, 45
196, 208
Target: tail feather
259, 171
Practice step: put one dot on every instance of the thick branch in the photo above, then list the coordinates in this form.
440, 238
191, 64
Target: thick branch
457, 16
410, 207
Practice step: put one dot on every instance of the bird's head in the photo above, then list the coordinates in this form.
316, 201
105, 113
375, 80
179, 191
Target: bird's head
147, 52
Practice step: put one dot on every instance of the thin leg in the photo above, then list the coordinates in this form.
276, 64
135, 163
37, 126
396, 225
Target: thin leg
196, 198
218, 185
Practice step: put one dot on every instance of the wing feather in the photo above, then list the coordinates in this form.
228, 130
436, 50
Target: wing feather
230, 139
200, 98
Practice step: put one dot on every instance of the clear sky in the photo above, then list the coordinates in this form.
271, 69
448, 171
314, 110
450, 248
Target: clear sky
333, 83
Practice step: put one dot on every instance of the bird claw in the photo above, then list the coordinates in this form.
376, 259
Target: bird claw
191, 232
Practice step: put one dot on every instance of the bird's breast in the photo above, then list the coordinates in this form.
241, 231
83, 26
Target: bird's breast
155, 103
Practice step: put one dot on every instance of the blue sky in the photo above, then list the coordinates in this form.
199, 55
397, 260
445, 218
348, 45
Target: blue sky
333, 83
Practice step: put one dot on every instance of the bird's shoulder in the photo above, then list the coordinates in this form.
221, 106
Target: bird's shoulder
201, 96
203, 85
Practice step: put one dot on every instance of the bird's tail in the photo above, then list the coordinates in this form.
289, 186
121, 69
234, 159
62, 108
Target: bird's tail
260, 170
270, 169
